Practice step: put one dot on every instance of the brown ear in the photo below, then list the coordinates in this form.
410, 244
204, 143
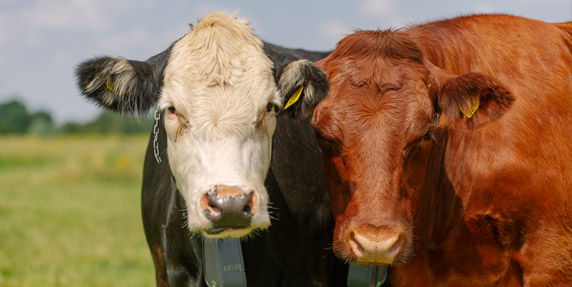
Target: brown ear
471, 100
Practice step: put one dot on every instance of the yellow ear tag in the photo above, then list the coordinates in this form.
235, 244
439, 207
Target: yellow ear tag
294, 98
110, 86
475, 102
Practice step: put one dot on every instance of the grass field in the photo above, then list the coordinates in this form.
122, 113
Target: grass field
70, 212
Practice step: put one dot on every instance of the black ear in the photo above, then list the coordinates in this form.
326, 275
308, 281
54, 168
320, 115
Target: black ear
472, 100
302, 85
122, 85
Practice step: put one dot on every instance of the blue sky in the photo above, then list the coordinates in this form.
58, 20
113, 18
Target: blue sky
41, 41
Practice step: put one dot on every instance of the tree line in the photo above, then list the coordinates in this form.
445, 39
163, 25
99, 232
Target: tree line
15, 118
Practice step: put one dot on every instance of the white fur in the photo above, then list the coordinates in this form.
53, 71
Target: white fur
219, 80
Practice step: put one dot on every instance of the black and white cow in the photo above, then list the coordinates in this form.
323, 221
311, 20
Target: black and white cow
221, 93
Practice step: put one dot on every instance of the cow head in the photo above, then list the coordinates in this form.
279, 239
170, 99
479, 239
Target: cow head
219, 94
376, 128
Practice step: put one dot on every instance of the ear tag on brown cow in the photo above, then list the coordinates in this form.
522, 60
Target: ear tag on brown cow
110, 86
295, 97
470, 111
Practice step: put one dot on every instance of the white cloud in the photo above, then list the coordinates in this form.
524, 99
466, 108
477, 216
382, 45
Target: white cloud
334, 29
484, 7
529, 2
206, 8
29, 21
92, 15
3, 34
377, 8
62, 14
132, 40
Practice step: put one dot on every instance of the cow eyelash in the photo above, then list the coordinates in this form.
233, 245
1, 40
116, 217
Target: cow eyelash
427, 136
333, 145
390, 87
272, 107
173, 111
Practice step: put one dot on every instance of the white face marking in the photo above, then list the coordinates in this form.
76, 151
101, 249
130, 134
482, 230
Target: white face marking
219, 81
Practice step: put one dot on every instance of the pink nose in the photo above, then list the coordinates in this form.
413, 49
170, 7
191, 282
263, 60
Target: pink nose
375, 244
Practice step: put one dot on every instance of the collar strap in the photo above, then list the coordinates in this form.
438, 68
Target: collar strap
366, 275
223, 266
223, 263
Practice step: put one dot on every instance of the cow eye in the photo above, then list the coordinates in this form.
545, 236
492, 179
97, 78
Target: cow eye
271, 107
427, 136
171, 109
330, 145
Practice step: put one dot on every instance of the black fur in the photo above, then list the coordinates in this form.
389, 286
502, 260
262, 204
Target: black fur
143, 90
311, 76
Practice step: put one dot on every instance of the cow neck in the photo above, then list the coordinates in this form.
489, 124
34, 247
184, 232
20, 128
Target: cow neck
438, 209
297, 166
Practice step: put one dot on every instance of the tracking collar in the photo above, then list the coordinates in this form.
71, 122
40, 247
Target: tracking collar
223, 262
224, 266
366, 275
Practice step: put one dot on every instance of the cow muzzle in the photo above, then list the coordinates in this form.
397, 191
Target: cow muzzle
370, 244
230, 210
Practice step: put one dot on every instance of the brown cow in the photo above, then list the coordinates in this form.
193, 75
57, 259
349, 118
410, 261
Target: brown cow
448, 151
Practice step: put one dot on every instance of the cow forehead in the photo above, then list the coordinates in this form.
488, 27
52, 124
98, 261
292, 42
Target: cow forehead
378, 57
368, 93
219, 70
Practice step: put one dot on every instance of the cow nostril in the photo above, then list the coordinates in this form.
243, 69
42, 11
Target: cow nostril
247, 211
353, 241
210, 205
214, 209
394, 249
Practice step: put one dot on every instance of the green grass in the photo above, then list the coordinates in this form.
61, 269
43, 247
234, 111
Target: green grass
70, 212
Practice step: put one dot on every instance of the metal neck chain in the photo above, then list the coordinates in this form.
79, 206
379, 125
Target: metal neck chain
156, 135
